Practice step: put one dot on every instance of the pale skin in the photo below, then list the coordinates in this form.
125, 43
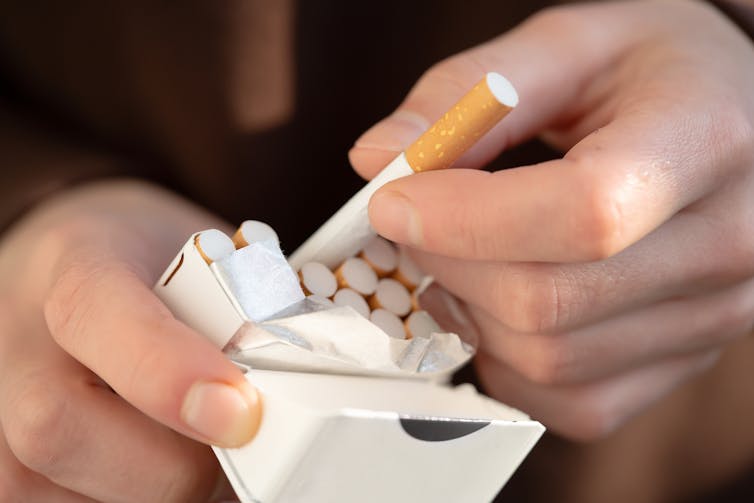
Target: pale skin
599, 282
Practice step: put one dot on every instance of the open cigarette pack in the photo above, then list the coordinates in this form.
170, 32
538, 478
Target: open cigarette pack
352, 350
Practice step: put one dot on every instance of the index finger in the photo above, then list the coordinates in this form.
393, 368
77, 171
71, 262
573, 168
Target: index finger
614, 187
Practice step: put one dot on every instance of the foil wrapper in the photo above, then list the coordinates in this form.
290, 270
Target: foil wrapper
286, 331
311, 336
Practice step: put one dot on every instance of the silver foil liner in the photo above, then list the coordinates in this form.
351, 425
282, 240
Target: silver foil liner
310, 336
286, 331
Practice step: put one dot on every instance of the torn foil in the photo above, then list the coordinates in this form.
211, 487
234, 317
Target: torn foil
286, 331
315, 337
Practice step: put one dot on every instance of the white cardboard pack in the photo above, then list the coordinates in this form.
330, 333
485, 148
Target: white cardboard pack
340, 438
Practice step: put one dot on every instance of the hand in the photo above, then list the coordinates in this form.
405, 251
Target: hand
98, 382
602, 280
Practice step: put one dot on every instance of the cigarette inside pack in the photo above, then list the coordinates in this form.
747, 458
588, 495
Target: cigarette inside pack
364, 317
347, 301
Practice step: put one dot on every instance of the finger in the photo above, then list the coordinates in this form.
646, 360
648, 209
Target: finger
616, 186
651, 158
590, 411
617, 345
63, 423
683, 257
544, 70
102, 313
18, 484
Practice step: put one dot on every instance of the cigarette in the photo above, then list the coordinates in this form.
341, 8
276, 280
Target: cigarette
349, 297
381, 255
491, 99
388, 323
213, 245
253, 231
392, 296
321, 300
356, 274
317, 279
421, 324
348, 230
408, 272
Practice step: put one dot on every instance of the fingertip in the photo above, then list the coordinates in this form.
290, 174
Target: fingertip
394, 216
385, 140
367, 162
222, 414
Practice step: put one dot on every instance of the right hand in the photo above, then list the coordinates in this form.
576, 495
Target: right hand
104, 395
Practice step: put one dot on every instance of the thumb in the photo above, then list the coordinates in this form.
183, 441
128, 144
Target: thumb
103, 313
550, 59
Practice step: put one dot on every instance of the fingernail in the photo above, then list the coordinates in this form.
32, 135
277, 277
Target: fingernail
394, 216
394, 133
226, 415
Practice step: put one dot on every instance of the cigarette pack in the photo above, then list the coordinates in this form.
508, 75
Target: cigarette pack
349, 413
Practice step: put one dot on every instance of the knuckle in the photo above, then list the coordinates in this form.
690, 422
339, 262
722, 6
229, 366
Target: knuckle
595, 419
733, 133
549, 360
537, 301
455, 74
67, 302
557, 19
37, 432
739, 263
600, 230
735, 316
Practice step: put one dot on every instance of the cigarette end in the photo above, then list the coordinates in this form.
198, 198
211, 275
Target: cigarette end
381, 255
356, 274
392, 296
213, 245
317, 279
388, 323
349, 297
407, 272
421, 324
254, 231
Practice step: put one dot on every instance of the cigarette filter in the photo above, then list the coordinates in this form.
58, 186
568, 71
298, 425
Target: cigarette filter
408, 272
254, 231
421, 324
356, 274
391, 295
318, 279
381, 255
349, 297
388, 323
213, 245
348, 231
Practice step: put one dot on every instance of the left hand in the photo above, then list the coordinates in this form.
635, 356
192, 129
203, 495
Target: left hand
602, 280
